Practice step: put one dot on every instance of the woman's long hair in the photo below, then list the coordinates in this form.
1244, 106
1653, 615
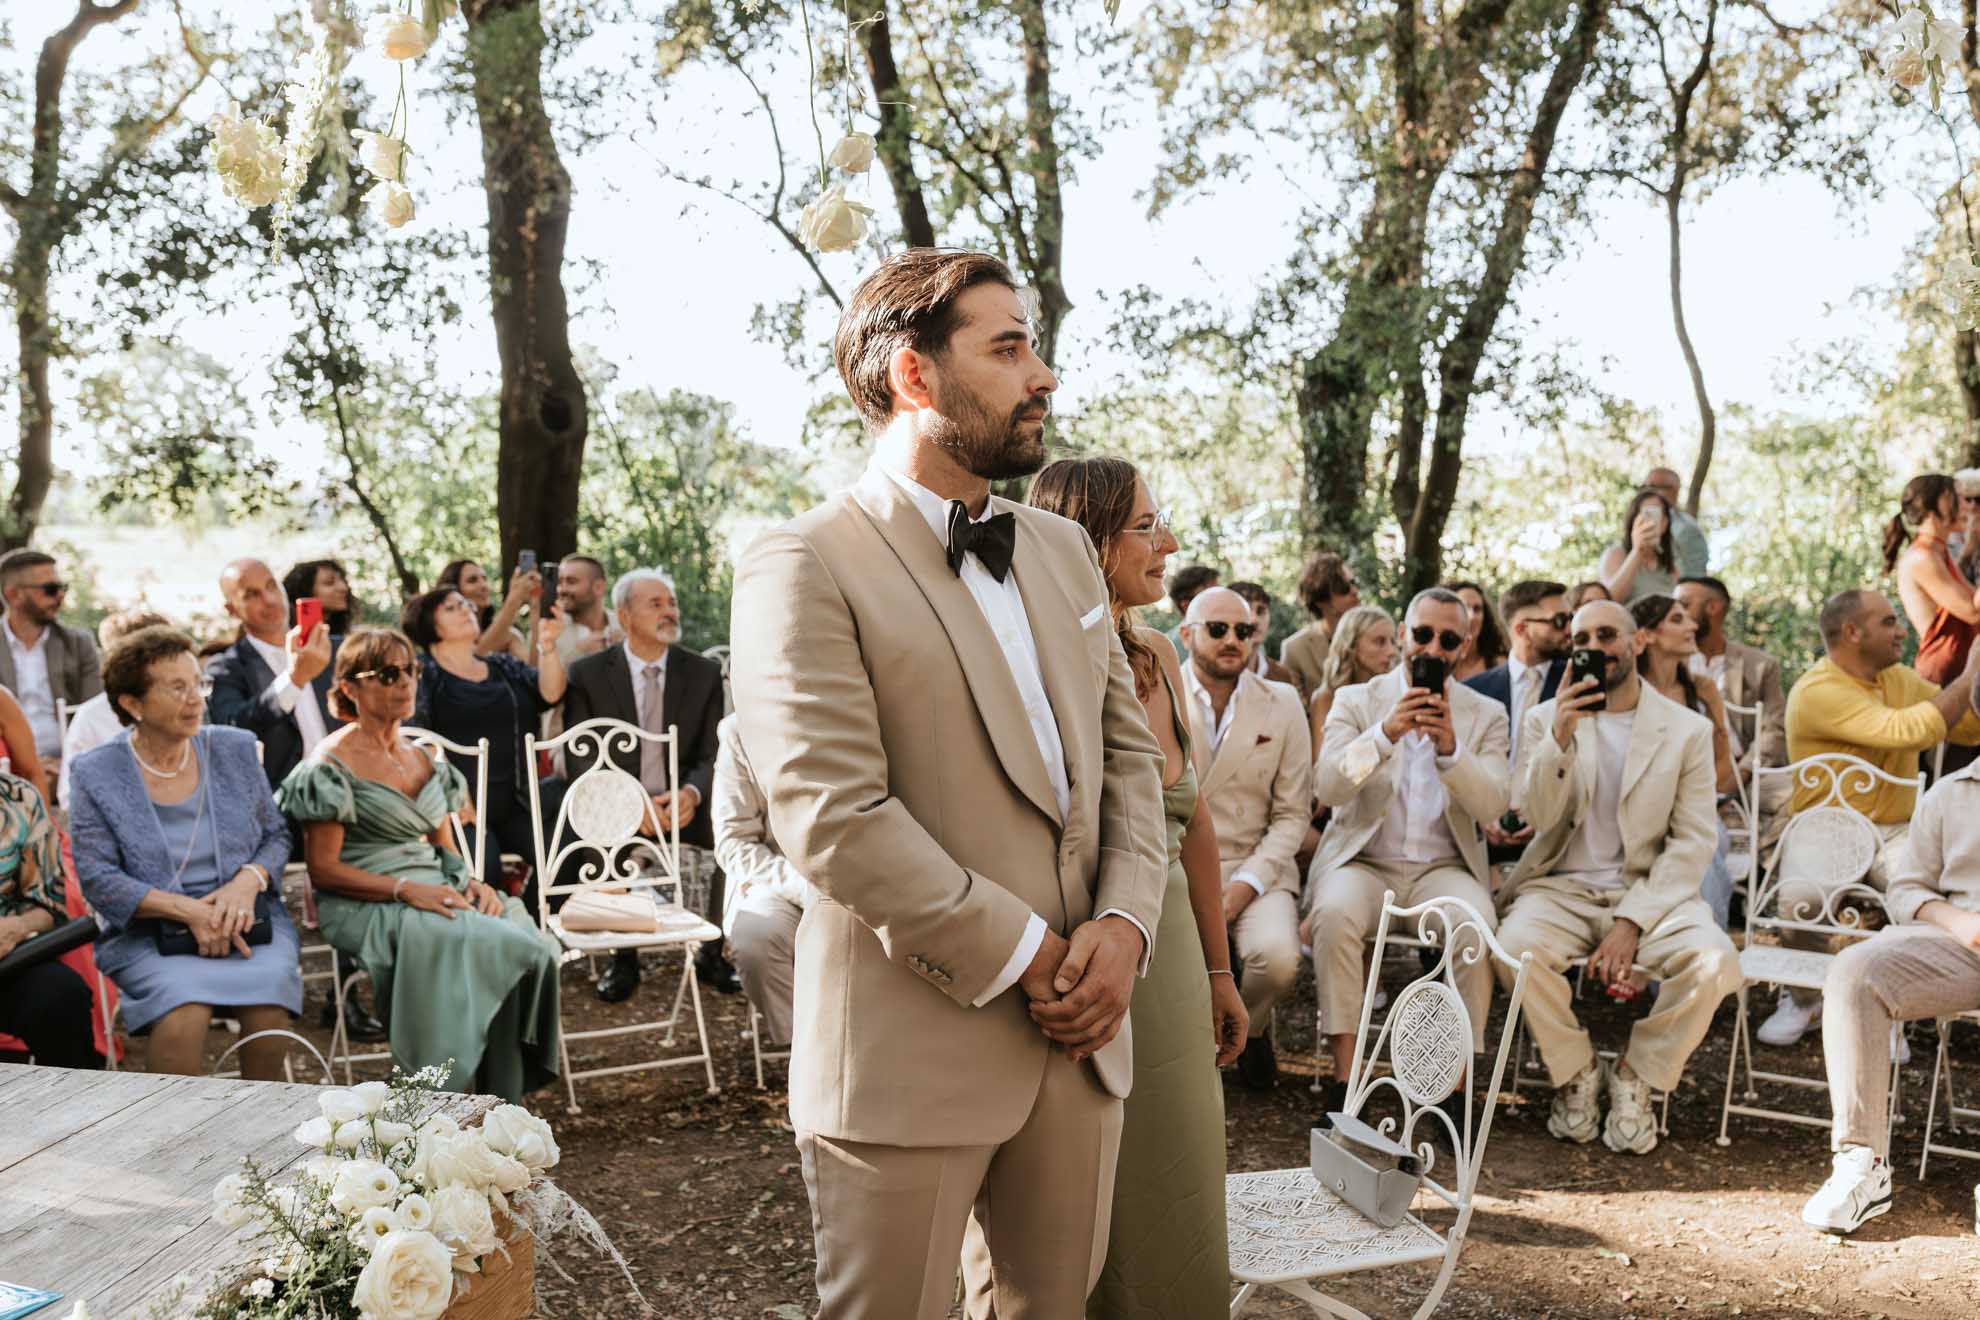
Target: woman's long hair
1649, 612
1338, 671
300, 583
1666, 547
1921, 499
450, 577
1493, 648
1098, 493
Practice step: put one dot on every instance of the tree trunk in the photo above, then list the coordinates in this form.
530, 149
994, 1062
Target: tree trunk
40, 227
1708, 421
1041, 162
543, 406
896, 129
1458, 364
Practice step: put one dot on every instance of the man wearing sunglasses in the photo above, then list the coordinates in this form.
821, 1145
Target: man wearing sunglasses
1619, 785
43, 661
1411, 772
1251, 745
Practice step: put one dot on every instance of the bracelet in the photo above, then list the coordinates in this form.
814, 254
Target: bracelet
267, 880
397, 885
1223, 971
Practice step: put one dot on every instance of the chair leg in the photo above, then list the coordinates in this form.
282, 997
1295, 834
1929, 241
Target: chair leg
109, 1022
1940, 1063
570, 1082
756, 1043
680, 994
1732, 1064
1243, 1295
701, 1027
340, 1044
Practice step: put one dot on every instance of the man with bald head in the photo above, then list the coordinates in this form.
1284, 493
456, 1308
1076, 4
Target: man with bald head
1252, 748
1618, 784
1687, 537
272, 681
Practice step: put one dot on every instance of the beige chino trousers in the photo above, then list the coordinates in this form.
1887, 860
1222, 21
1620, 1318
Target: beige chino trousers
1897, 975
1347, 907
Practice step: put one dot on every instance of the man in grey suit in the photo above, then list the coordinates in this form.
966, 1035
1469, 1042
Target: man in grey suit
43, 661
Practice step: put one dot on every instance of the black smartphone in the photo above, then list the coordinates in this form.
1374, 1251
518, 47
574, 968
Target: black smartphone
1511, 822
526, 561
1591, 663
1429, 672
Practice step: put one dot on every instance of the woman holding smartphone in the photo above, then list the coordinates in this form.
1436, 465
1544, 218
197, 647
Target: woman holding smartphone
1645, 563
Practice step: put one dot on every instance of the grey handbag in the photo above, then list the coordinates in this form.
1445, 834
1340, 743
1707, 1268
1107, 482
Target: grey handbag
1375, 1175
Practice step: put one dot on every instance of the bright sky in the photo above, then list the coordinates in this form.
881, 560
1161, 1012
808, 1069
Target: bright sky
1771, 265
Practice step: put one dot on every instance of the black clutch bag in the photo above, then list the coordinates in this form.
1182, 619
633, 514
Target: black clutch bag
38, 949
175, 938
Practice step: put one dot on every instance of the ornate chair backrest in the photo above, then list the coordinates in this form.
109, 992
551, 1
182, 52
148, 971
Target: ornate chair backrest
1831, 844
440, 749
1427, 1038
597, 826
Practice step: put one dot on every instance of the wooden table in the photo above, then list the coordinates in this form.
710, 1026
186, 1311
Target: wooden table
106, 1179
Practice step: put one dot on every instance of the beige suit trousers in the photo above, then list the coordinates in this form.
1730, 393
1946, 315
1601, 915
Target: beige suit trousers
1897, 975
1560, 922
889, 1221
1347, 907
763, 939
1267, 938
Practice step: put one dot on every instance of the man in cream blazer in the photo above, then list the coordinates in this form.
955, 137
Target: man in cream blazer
1410, 774
1621, 801
1254, 766
930, 688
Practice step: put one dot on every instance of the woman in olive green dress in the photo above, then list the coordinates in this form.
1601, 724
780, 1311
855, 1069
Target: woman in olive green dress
1166, 1252
460, 972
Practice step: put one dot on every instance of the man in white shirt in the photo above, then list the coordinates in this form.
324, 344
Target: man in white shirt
766, 895
94, 722
589, 627
1252, 748
1410, 772
1619, 785
272, 682
44, 661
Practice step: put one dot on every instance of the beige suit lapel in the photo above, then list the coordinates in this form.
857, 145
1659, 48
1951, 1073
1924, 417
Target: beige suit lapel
998, 704
1061, 644
1246, 723
1644, 737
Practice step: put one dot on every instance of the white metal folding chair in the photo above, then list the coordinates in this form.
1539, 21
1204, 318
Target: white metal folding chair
1954, 1111
1740, 862
1286, 1229
601, 813
65, 714
1833, 846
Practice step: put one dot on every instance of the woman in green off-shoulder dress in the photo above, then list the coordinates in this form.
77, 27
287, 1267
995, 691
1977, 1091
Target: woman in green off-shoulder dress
459, 971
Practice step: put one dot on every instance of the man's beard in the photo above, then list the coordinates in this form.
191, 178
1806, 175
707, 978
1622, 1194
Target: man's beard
1704, 628
1560, 649
669, 634
985, 445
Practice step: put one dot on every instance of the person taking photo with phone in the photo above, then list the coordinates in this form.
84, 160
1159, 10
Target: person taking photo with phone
1645, 561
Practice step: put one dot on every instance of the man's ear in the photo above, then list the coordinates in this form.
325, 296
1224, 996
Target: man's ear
906, 375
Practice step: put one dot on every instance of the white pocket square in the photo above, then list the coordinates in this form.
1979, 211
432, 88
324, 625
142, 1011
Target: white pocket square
1094, 615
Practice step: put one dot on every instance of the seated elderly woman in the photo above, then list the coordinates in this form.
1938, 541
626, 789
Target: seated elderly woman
46, 1006
178, 848
460, 971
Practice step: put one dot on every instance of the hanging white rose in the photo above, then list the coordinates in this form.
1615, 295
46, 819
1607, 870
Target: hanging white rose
390, 203
853, 153
247, 155
384, 157
514, 1131
834, 222
396, 36
409, 1277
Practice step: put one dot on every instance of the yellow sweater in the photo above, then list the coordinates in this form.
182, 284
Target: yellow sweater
1888, 723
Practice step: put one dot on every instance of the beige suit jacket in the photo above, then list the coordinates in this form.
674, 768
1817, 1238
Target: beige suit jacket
1753, 678
1669, 796
1305, 653
1475, 786
1260, 782
904, 782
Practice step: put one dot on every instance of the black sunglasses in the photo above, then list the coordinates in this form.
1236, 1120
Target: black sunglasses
1422, 634
389, 675
48, 588
1219, 627
1559, 621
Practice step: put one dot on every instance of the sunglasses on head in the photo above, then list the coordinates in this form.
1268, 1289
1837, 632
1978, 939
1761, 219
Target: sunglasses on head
389, 675
1422, 634
1218, 628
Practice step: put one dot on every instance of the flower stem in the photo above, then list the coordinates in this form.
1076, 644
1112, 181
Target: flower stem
811, 87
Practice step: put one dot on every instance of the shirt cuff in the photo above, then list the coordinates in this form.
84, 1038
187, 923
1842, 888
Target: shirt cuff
1457, 754
1027, 949
285, 692
1381, 737
1247, 878
1147, 944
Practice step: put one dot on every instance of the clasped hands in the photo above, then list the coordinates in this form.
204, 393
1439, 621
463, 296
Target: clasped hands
1079, 988
220, 920
1420, 710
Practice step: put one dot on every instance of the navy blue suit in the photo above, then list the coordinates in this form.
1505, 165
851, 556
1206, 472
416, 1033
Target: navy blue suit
243, 696
1496, 683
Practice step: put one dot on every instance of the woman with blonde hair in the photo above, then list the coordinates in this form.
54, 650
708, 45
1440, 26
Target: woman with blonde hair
1363, 647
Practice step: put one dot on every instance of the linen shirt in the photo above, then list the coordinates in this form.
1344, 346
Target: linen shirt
1003, 609
1415, 829
1942, 857
1594, 856
1206, 707
35, 693
298, 701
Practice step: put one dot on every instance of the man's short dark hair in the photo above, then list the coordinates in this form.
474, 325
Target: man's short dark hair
16, 562
1711, 584
1186, 582
1254, 595
597, 569
127, 664
909, 302
1839, 611
1324, 577
1525, 595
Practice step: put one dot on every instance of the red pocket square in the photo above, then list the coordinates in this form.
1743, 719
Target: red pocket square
1263, 738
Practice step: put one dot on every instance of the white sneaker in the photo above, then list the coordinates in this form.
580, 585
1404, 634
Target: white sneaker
1576, 1115
1790, 1020
1632, 1125
1858, 1190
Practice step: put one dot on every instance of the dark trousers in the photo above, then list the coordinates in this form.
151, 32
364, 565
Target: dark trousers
48, 1006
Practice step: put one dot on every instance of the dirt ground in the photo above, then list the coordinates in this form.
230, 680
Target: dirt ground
703, 1196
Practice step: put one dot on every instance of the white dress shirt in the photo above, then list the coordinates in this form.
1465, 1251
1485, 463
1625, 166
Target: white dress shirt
1415, 830
638, 668
35, 693
1003, 609
1206, 707
298, 701
1594, 856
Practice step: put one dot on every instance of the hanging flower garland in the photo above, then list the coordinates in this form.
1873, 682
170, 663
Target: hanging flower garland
1923, 50
834, 222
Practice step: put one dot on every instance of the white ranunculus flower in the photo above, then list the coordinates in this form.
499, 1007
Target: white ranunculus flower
228, 1206
853, 153
322, 1169
371, 1096
439, 1125
466, 1160
372, 1226
383, 156
409, 1277
415, 1212
396, 36
390, 203
340, 1106
362, 1184
834, 222
515, 1131
388, 1133
464, 1221
351, 1135
316, 1132
247, 155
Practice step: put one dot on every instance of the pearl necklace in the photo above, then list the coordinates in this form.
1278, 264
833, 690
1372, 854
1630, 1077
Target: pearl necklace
185, 759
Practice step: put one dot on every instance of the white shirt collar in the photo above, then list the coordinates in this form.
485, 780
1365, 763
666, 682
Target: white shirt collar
20, 647
638, 665
932, 507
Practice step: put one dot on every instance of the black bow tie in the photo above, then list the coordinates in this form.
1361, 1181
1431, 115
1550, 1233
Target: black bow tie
992, 541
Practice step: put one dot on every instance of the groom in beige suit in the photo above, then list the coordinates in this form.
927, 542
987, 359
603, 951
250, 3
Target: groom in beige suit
930, 686
1621, 800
